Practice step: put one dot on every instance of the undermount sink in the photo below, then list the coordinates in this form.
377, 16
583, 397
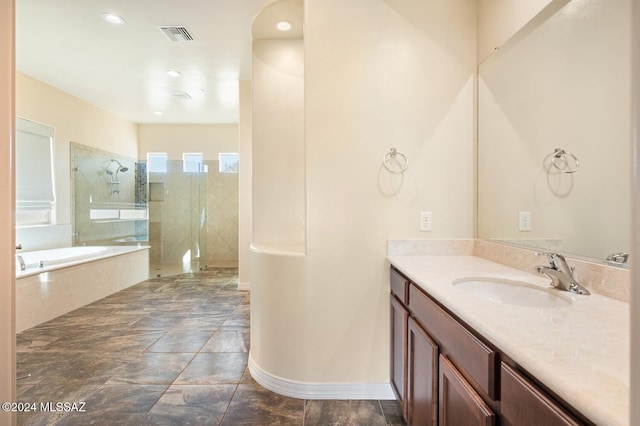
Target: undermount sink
512, 292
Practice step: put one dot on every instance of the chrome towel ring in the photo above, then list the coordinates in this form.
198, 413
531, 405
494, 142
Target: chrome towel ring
392, 155
561, 161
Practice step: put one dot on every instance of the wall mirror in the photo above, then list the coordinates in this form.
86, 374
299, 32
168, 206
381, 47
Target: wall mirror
554, 144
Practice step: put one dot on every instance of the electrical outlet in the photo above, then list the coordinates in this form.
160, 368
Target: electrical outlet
426, 221
524, 221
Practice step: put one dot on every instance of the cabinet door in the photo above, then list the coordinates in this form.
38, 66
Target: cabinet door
422, 386
399, 317
460, 404
523, 404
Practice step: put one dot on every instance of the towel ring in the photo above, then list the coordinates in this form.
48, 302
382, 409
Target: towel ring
391, 155
563, 154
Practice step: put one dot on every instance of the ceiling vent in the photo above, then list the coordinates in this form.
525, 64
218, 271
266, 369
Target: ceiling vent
177, 34
183, 96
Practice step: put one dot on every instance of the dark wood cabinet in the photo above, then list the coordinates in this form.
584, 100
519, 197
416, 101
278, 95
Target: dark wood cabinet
460, 404
399, 316
444, 373
523, 404
471, 355
422, 377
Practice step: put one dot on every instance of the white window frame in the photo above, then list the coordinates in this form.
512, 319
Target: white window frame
192, 162
35, 192
153, 159
228, 162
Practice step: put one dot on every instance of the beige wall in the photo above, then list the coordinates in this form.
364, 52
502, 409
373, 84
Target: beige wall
377, 74
380, 74
635, 195
7, 201
278, 155
175, 139
498, 20
73, 120
245, 217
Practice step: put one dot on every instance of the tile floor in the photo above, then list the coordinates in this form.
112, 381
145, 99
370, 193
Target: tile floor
167, 351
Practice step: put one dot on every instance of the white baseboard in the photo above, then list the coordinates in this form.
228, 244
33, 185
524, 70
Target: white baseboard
305, 390
244, 286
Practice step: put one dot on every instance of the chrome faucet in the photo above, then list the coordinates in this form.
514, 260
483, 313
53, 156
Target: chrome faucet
618, 259
560, 273
23, 265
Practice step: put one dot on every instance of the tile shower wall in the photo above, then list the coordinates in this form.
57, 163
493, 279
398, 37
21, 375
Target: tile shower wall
174, 214
222, 207
96, 184
190, 213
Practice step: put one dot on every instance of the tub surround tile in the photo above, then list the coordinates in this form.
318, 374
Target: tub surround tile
42, 297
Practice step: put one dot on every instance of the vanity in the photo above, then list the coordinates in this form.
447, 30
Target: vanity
467, 356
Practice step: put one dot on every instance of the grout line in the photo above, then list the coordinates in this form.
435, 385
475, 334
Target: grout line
230, 400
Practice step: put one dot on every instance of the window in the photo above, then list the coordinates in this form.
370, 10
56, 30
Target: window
157, 162
228, 162
35, 193
192, 162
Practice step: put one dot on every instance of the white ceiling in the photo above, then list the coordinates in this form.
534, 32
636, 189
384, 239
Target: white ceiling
122, 69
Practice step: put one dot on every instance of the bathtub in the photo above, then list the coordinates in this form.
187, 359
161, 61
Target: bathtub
60, 280
49, 260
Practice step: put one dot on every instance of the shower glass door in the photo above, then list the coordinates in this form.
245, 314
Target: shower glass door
177, 218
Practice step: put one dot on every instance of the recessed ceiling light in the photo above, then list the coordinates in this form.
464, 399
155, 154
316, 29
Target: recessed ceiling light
174, 73
158, 112
284, 25
112, 18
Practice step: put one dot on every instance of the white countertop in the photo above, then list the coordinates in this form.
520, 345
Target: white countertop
580, 352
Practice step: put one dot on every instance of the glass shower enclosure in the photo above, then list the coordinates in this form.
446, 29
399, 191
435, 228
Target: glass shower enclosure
177, 200
119, 201
108, 205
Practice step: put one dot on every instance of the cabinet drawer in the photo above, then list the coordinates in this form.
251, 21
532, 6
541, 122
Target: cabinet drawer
399, 286
459, 402
523, 404
472, 356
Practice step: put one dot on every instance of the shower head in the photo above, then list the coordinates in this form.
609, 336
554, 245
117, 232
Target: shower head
121, 168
